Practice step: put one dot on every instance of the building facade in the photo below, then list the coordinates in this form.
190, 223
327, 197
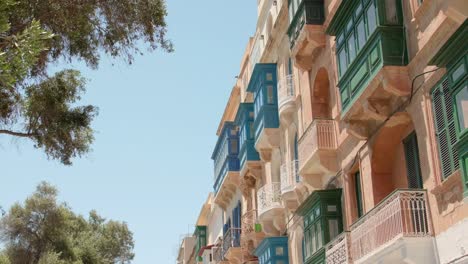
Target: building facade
345, 137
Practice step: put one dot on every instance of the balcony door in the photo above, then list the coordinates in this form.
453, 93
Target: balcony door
413, 169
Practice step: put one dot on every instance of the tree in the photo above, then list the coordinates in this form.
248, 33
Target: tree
35, 33
43, 231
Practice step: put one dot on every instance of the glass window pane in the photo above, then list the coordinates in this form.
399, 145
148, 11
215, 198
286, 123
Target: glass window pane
462, 108
358, 10
331, 208
270, 94
269, 76
391, 12
333, 228
279, 251
319, 235
351, 48
312, 239
458, 72
342, 61
361, 34
349, 26
371, 18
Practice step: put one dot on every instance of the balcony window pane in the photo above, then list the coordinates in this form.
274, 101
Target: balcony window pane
391, 12
371, 19
349, 26
270, 94
251, 130
269, 76
361, 34
462, 108
279, 251
318, 231
343, 62
351, 48
233, 146
460, 71
358, 10
333, 228
312, 239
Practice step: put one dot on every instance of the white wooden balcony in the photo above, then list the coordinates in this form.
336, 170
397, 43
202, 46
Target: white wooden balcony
317, 148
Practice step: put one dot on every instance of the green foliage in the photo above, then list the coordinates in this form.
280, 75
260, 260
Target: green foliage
44, 231
34, 33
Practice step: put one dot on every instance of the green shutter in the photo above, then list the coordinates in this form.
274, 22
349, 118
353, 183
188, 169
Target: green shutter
444, 119
413, 167
357, 189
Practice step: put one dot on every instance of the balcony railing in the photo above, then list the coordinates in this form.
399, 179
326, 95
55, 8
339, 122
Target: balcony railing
269, 197
404, 213
289, 175
231, 239
337, 251
286, 92
319, 135
218, 255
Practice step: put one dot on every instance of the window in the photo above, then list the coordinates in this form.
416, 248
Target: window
322, 222
358, 194
461, 100
413, 169
445, 129
356, 32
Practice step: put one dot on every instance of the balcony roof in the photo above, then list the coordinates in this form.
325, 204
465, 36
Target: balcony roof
453, 49
258, 69
205, 211
304, 208
221, 135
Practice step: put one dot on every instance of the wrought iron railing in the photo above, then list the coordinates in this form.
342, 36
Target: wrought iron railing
404, 213
231, 239
289, 175
218, 255
285, 90
338, 250
269, 197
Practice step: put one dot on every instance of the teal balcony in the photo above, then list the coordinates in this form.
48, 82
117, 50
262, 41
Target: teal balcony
245, 121
273, 250
225, 154
263, 85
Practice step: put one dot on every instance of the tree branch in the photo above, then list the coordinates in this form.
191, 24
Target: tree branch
16, 134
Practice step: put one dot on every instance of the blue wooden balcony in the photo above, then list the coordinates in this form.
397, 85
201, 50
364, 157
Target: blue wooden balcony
245, 121
263, 85
225, 154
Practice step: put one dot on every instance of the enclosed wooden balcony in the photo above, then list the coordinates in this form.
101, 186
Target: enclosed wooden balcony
306, 33
317, 149
401, 221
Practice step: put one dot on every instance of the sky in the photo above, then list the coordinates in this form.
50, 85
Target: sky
151, 160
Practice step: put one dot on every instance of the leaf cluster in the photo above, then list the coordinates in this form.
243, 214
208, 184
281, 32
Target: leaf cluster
43, 231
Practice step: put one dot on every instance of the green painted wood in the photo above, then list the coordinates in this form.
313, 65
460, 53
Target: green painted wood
322, 214
445, 129
455, 47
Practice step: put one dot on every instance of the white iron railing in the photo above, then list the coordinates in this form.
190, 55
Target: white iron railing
404, 213
269, 197
289, 175
337, 251
320, 135
285, 90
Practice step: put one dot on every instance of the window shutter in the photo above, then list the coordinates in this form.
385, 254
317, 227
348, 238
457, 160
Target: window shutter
413, 167
445, 127
357, 189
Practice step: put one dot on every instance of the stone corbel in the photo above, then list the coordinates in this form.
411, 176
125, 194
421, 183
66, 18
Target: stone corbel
358, 128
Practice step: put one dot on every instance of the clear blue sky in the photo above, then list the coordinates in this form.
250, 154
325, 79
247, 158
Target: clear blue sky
150, 165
